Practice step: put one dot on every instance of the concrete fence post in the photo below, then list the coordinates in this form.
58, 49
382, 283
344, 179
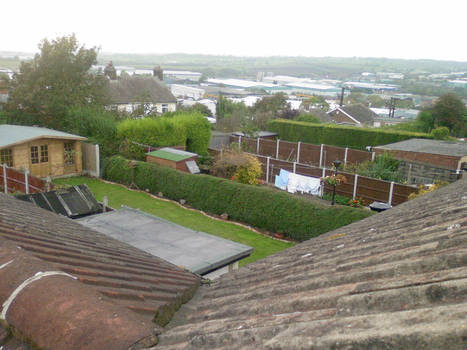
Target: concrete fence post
257, 145
355, 185
373, 155
294, 167
298, 151
239, 142
267, 169
26, 181
323, 175
391, 191
321, 156
105, 204
98, 162
5, 181
345, 155
277, 148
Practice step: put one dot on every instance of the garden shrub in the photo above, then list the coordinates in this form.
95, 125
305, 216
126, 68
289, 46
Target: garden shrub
237, 165
259, 206
384, 167
191, 130
336, 135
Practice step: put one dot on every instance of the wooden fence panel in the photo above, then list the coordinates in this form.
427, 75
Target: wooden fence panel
267, 148
288, 151
309, 154
357, 156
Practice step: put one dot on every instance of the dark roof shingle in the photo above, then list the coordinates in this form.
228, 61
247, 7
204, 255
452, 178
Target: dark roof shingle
119, 289
139, 89
396, 280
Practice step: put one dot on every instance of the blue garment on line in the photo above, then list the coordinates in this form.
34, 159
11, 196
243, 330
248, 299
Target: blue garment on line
282, 179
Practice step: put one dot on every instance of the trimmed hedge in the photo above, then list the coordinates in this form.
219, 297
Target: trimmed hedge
259, 206
192, 130
337, 135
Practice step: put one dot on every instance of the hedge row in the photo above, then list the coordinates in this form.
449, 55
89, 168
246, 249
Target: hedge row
336, 135
191, 130
259, 206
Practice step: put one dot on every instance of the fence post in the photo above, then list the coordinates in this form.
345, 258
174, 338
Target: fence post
105, 203
5, 182
26, 181
355, 181
323, 175
294, 167
257, 145
239, 142
321, 156
345, 155
391, 190
267, 170
277, 148
373, 154
298, 151
98, 162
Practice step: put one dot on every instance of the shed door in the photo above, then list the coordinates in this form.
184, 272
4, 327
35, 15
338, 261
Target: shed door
39, 159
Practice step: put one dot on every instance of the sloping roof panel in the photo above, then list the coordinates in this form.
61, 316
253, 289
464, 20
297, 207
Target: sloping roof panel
396, 280
15, 134
107, 300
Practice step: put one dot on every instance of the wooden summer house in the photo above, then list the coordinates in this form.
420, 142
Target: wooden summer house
44, 152
174, 158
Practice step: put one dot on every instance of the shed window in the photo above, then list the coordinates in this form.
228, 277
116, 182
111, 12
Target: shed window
165, 107
34, 154
69, 153
44, 153
6, 157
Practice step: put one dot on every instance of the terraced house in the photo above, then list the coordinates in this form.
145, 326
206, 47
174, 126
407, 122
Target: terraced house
396, 280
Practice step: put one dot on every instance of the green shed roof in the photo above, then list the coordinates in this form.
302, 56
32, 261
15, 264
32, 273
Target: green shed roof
172, 154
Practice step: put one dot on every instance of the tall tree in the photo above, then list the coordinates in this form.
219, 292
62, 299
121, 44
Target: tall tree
56, 79
110, 71
449, 111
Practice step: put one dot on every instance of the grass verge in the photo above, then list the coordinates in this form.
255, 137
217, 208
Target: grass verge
119, 195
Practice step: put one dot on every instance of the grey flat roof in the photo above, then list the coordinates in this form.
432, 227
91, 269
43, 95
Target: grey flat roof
449, 148
197, 251
15, 134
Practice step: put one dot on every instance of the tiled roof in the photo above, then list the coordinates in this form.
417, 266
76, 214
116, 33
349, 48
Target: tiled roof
359, 112
100, 294
139, 89
448, 148
396, 280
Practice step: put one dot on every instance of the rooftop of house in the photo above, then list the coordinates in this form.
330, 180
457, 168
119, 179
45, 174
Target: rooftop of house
173, 154
396, 280
65, 286
196, 251
359, 112
448, 148
11, 135
139, 89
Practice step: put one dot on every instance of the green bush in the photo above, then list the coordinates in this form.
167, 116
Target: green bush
95, 123
336, 135
259, 206
191, 130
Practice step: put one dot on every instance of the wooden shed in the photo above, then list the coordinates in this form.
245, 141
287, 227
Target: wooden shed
174, 158
44, 152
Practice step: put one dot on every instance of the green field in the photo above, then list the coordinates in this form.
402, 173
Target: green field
119, 195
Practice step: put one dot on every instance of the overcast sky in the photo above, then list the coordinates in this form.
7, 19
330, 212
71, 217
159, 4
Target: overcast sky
343, 28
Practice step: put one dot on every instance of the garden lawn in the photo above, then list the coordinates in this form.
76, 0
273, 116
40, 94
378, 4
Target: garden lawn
119, 195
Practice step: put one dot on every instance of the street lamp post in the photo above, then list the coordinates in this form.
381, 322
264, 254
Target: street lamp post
336, 163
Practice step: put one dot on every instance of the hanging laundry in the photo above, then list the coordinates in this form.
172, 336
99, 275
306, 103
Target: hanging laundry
282, 179
304, 184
